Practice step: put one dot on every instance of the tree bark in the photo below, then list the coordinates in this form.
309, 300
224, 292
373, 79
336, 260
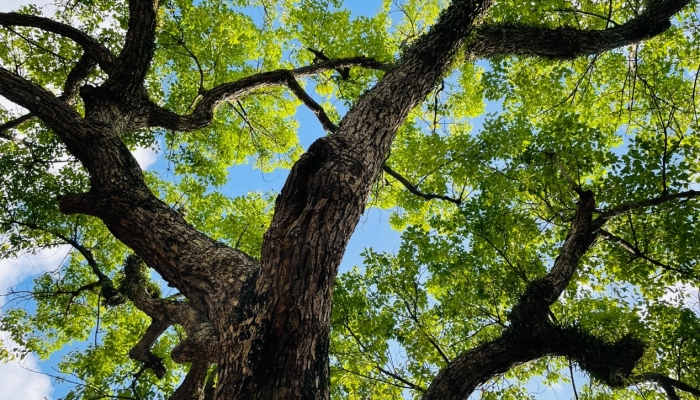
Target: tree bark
282, 335
266, 324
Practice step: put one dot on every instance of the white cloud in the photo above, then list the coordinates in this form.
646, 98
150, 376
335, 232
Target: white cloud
47, 7
145, 157
16, 270
12, 108
17, 378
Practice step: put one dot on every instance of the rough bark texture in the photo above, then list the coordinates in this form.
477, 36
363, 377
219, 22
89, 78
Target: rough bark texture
265, 324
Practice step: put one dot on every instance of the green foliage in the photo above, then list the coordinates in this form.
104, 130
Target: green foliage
622, 124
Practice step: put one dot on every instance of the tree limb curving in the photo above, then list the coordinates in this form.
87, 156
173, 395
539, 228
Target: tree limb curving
566, 42
92, 47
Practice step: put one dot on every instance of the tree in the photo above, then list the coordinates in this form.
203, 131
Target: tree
544, 238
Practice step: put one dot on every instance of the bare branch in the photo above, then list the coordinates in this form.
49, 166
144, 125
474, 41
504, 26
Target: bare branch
40, 102
70, 90
201, 342
668, 384
169, 311
84, 251
13, 124
299, 92
76, 77
414, 190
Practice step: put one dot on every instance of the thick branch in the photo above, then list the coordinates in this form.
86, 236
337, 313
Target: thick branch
75, 78
201, 342
92, 47
201, 345
565, 42
142, 350
316, 213
70, 90
533, 306
530, 335
193, 386
132, 64
656, 201
170, 311
40, 102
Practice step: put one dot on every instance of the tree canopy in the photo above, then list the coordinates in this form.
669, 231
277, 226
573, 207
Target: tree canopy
557, 232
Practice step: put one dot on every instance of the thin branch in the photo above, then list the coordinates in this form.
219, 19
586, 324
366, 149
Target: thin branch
414, 190
37, 45
299, 92
406, 384
576, 11
518, 271
412, 310
574, 185
84, 251
380, 369
637, 253
203, 112
571, 374
667, 382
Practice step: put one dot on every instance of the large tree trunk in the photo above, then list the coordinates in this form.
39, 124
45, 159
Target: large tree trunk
281, 338
266, 324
